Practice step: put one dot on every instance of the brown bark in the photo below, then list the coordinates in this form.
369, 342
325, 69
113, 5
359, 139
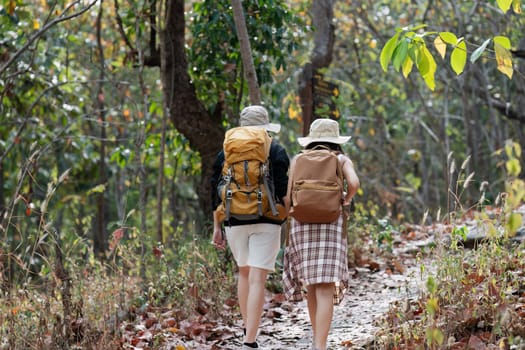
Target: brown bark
322, 20
186, 111
246, 52
100, 232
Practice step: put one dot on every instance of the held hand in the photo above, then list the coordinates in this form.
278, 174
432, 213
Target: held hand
218, 239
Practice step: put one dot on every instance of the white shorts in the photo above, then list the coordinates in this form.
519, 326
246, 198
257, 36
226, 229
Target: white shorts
255, 245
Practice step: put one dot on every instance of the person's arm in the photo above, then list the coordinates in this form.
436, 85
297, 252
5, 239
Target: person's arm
218, 239
280, 164
351, 178
288, 196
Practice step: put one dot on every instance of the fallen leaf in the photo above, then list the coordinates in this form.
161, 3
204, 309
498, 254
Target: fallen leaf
474, 343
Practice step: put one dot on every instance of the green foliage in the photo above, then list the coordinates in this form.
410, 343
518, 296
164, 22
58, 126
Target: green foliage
275, 32
407, 48
53, 96
469, 292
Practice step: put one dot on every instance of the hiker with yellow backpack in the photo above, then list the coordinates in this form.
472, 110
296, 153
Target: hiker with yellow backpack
322, 182
249, 183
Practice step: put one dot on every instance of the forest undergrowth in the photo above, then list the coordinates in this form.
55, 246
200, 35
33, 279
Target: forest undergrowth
475, 299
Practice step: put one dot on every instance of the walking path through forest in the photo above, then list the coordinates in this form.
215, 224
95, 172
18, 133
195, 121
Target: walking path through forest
378, 280
372, 289
375, 283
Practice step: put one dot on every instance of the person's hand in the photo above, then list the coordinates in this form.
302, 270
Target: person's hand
218, 239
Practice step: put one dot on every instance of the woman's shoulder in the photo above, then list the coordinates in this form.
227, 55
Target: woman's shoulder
343, 158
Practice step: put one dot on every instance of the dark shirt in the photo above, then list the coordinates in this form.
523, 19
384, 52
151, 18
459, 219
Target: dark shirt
279, 164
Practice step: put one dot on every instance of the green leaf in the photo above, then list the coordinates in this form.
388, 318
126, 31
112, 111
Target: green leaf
479, 51
431, 67
430, 81
448, 37
423, 65
432, 306
400, 54
431, 285
514, 223
387, 51
502, 41
435, 336
413, 53
97, 189
513, 167
407, 66
504, 5
458, 58
416, 28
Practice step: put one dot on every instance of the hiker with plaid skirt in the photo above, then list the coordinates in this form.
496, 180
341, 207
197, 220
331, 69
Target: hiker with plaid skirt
315, 258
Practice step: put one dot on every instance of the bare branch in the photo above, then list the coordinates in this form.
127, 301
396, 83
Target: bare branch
121, 28
507, 110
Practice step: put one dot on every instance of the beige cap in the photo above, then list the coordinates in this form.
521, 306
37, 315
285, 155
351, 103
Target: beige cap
258, 116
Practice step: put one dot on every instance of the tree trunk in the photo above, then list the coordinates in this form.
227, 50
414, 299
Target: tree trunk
187, 113
160, 180
100, 234
246, 52
322, 13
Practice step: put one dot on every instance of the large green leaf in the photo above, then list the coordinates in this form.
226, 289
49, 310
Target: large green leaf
387, 51
430, 66
504, 5
400, 54
502, 41
449, 38
458, 58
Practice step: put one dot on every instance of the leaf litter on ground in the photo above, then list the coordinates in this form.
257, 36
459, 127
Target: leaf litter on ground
378, 282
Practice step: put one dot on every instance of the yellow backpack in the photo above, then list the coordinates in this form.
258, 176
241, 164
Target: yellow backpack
246, 188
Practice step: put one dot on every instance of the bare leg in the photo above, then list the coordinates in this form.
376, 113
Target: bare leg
324, 294
242, 291
311, 302
255, 302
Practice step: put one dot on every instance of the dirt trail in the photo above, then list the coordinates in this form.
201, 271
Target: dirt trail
355, 321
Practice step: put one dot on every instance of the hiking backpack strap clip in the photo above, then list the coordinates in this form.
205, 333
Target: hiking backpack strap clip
267, 188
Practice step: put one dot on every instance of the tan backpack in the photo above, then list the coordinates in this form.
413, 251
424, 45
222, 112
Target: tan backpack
317, 186
246, 188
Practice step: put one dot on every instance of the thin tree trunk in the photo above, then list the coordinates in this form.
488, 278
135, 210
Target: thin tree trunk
100, 234
140, 164
246, 52
160, 179
2, 194
63, 331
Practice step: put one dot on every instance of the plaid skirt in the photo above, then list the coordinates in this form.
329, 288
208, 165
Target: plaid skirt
315, 253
